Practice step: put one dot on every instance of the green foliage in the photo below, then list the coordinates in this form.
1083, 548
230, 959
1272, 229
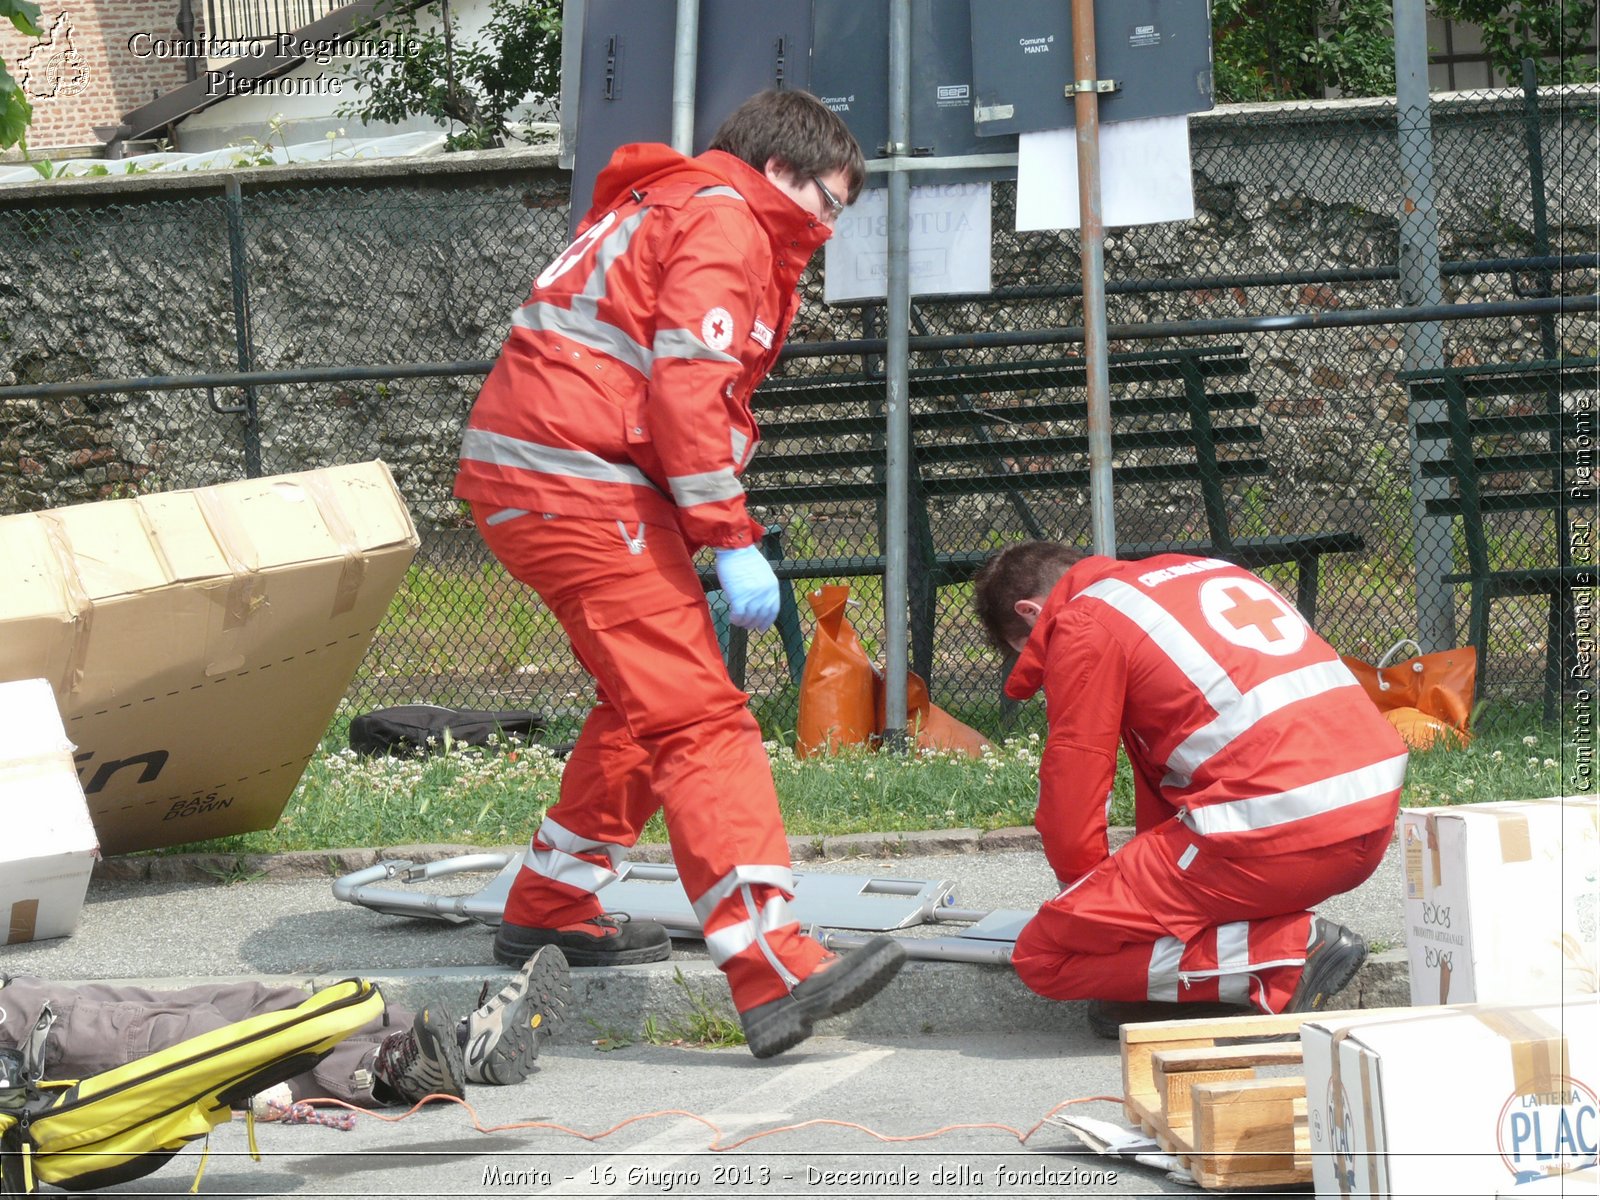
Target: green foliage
1268, 50
1558, 37
471, 86
15, 111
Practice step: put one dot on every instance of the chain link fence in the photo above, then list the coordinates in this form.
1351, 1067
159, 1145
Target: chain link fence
1289, 444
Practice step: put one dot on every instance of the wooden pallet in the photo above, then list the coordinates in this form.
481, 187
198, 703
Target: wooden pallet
1206, 1102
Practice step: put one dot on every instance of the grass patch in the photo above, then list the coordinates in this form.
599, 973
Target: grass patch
497, 795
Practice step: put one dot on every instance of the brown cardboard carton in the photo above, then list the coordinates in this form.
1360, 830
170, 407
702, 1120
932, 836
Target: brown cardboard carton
49, 847
198, 642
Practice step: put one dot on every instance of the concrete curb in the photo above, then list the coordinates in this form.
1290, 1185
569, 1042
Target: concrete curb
927, 999
330, 864
333, 863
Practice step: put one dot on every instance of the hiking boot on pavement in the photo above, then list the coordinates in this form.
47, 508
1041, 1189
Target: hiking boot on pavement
501, 1038
840, 984
610, 940
1332, 960
422, 1061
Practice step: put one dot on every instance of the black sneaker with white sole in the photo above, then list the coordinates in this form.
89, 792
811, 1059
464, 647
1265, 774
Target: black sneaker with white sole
502, 1037
845, 983
1332, 960
610, 940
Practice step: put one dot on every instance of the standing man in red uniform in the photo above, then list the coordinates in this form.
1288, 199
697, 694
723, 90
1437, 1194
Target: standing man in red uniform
1264, 782
604, 449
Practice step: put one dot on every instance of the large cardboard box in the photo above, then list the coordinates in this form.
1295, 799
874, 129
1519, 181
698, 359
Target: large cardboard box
198, 642
1501, 900
49, 845
1473, 1101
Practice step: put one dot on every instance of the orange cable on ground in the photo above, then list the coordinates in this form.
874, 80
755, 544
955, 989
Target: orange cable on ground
715, 1146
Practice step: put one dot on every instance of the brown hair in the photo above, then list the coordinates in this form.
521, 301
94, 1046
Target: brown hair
1019, 572
798, 130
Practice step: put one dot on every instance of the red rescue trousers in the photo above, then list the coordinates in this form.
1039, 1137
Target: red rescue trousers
1167, 919
670, 732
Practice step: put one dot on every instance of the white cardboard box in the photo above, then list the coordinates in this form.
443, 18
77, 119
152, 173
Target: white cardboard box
1469, 1101
49, 845
1501, 900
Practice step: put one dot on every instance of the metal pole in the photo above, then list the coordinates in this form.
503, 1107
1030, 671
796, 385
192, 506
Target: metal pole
1533, 129
1424, 342
685, 58
1092, 238
244, 341
897, 434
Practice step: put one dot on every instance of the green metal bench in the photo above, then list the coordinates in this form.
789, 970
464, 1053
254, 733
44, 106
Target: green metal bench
1520, 439
1014, 430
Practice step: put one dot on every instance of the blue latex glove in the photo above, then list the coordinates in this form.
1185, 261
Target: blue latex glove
750, 587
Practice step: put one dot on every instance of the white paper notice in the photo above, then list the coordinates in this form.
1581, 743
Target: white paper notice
1145, 175
950, 227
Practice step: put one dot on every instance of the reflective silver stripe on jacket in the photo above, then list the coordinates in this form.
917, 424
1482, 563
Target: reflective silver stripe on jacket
504, 515
741, 935
503, 450
586, 330
561, 863
1162, 980
719, 190
705, 488
1237, 712
1308, 800
686, 343
781, 878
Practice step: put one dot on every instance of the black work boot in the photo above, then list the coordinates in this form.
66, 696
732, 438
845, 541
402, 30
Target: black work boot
838, 986
1332, 960
611, 940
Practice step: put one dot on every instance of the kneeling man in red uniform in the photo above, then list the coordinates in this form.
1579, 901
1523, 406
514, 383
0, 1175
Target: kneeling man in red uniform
1265, 781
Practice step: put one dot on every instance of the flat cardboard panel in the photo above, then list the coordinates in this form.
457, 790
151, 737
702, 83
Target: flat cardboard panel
197, 692
1464, 1101
1501, 900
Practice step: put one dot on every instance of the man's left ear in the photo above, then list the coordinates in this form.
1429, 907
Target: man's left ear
779, 171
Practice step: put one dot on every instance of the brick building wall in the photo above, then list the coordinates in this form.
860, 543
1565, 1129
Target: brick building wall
84, 72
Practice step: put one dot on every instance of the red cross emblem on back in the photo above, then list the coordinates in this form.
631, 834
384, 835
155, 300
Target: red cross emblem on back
1263, 614
1248, 613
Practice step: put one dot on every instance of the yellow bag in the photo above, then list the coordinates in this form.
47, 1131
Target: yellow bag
128, 1121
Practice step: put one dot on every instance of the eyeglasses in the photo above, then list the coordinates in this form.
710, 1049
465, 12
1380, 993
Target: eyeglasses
832, 206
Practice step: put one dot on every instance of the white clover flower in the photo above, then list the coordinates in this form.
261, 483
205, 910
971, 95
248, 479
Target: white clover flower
1530, 740
1497, 756
1550, 763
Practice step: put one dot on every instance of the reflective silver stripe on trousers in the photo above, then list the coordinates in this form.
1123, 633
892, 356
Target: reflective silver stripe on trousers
725, 943
1233, 962
561, 864
504, 515
1237, 712
781, 878
704, 488
503, 450
1165, 956
1310, 800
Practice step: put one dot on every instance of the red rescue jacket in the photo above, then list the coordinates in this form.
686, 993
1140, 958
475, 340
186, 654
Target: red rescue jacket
623, 389
1236, 717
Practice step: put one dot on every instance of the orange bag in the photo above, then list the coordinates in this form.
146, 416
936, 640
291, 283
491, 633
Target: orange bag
837, 687
1428, 697
842, 697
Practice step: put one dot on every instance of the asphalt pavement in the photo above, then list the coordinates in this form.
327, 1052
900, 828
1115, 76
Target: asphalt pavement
947, 1044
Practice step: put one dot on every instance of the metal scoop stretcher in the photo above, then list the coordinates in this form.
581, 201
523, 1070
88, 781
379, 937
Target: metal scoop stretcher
842, 910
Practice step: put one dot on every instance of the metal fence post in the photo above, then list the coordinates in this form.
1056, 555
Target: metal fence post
897, 417
1092, 242
1423, 343
685, 61
244, 340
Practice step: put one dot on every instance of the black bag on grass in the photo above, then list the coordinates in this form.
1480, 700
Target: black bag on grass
422, 728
